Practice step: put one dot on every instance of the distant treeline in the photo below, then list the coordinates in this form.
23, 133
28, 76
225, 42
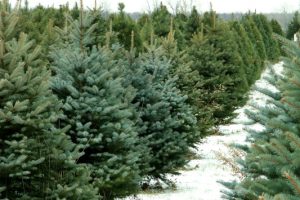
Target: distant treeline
282, 18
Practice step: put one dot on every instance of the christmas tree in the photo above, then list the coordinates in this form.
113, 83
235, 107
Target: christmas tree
193, 24
276, 27
97, 108
256, 39
265, 28
293, 26
161, 19
125, 26
189, 82
166, 122
251, 64
37, 160
216, 58
272, 161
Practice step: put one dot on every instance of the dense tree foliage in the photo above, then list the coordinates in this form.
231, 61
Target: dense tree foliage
293, 26
250, 61
276, 27
193, 24
161, 19
166, 123
37, 160
219, 65
126, 28
92, 104
97, 107
271, 164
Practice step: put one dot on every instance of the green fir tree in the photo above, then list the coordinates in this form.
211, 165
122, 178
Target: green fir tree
251, 63
161, 19
276, 27
265, 28
37, 160
216, 58
189, 82
124, 26
255, 37
193, 24
293, 26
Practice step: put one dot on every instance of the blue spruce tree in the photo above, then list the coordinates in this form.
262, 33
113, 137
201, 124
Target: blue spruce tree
167, 126
271, 165
97, 107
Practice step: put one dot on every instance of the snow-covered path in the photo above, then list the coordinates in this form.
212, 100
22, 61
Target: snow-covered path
215, 161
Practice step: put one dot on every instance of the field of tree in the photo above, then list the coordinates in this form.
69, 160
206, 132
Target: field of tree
96, 105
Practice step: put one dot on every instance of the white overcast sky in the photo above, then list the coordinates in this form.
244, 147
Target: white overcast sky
220, 6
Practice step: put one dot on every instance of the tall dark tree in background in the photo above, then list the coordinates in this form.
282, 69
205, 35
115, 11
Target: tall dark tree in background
255, 37
161, 19
276, 27
125, 27
102, 26
189, 82
193, 24
147, 30
293, 26
247, 52
265, 28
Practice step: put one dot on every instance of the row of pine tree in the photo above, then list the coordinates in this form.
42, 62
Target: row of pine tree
271, 165
93, 105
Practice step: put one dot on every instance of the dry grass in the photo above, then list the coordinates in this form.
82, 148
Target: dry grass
229, 160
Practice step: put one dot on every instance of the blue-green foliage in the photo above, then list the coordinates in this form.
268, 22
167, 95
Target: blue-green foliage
115, 120
272, 162
98, 109
166, 123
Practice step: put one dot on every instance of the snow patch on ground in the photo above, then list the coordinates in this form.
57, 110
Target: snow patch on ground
216, 158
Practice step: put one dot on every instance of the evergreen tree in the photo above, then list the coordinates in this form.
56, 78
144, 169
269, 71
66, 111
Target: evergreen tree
216, 58
125, 26
189, 82
37, 160
26, 6
161, 19
97, 107
210, 20
147, 32
249, 56
265, 28
193, 24
49, 37
255, 37
75, 11
276, 27
272, 162
35, 22
102, 27
178, 23
167, 124
293, 26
